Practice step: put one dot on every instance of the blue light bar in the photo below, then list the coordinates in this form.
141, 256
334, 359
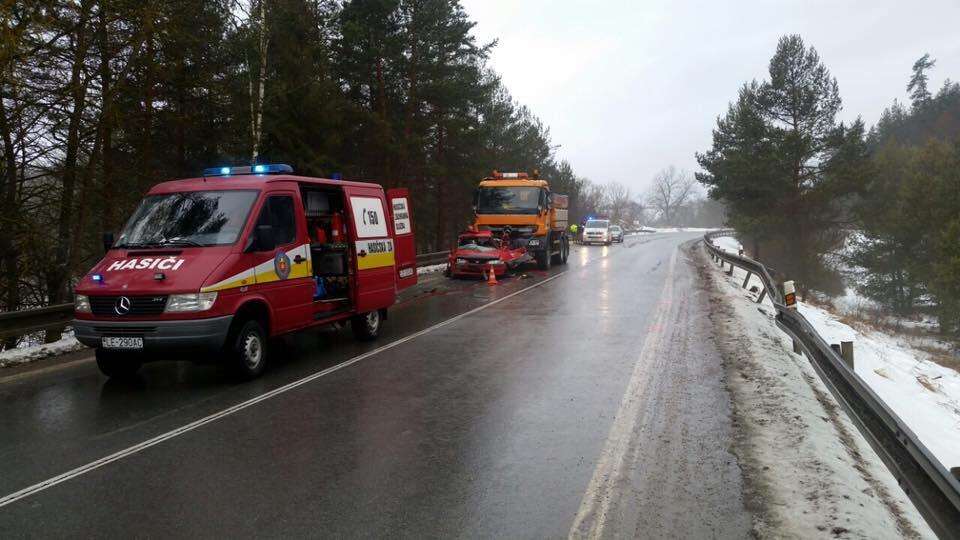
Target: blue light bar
275, 168
97, 277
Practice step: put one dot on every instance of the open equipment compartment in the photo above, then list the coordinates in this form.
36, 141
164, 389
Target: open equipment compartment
329, 251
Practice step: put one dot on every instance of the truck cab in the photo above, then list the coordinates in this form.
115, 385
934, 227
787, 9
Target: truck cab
525, 205
222, 263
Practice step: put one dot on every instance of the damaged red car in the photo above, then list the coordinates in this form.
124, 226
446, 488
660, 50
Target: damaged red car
478, 252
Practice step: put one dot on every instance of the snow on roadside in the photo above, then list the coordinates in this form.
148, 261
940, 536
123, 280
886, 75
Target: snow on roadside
22, 355
432, 269
808, 471
921, 392
728, 244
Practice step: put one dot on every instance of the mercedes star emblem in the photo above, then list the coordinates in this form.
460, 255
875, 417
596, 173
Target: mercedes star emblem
122, 307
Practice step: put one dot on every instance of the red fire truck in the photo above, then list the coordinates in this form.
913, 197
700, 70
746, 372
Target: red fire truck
224, 262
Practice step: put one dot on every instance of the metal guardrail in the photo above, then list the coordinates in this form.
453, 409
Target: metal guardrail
29, 321
933, 489
18, 323
437, 257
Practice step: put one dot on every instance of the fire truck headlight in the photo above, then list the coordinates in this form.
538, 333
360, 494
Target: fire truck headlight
496, 263
461, 261
81, 303
190, 302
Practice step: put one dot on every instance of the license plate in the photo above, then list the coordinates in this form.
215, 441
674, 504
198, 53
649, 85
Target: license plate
122, 342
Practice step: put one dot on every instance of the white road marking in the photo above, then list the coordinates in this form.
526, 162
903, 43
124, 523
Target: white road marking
93, 465
593, 516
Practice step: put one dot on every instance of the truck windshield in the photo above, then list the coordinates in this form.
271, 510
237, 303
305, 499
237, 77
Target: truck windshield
508, 200
597, 224
197, 218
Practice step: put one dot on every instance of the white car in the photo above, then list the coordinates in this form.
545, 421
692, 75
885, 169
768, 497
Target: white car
597, 231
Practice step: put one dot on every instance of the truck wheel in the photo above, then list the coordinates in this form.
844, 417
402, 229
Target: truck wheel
366, 326
116, 365
561, 256
544, 259
247, 351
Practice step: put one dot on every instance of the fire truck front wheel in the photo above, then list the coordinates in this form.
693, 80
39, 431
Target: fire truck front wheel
366, 326
247, 350
117, 365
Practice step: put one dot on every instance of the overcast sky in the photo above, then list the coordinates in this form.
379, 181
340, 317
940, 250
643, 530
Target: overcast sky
629, 87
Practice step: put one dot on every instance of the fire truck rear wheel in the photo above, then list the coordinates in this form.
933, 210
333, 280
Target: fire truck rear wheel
366, 326
116, 365
247, 353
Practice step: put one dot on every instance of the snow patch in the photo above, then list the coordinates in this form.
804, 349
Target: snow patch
923, 393
22, 355
432, 269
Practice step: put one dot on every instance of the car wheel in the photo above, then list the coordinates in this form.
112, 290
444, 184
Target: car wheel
366, 326
247, 351
117, 365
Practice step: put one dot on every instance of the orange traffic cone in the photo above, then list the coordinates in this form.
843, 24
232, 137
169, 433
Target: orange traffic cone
491, 276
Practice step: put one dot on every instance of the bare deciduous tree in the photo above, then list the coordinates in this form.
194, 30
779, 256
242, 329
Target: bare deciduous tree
671, 190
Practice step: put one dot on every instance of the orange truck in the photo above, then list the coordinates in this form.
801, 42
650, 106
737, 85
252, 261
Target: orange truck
524, 206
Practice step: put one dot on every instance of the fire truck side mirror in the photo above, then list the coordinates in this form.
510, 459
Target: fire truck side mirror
107, 238
264, 238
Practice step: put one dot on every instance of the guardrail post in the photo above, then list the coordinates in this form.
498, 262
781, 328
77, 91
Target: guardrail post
763, 293
846, 352
746, 280
730, 271
796, 347
790, 294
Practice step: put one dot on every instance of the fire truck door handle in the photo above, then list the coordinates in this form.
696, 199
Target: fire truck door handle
298, 259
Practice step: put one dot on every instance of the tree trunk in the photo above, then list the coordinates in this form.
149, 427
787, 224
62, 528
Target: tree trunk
61, 272
441, 194
146, 153
8, 263
257, 101
106, 123
384, 125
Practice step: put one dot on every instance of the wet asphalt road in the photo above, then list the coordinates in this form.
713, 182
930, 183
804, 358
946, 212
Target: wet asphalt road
584, 401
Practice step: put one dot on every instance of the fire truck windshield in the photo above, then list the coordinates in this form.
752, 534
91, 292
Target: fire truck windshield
198, 218
508, 200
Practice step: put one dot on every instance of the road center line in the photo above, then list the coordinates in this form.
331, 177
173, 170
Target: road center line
93, 465
594, 513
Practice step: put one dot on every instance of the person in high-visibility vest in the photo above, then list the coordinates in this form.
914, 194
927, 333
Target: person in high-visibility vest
573, 231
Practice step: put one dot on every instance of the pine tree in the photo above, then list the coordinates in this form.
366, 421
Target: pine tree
784, 165
918, 81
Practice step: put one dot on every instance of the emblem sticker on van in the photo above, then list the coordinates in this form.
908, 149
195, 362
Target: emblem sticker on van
147, 263
281, 265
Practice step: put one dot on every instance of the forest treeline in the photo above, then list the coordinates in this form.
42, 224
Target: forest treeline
813, 194
100, 100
